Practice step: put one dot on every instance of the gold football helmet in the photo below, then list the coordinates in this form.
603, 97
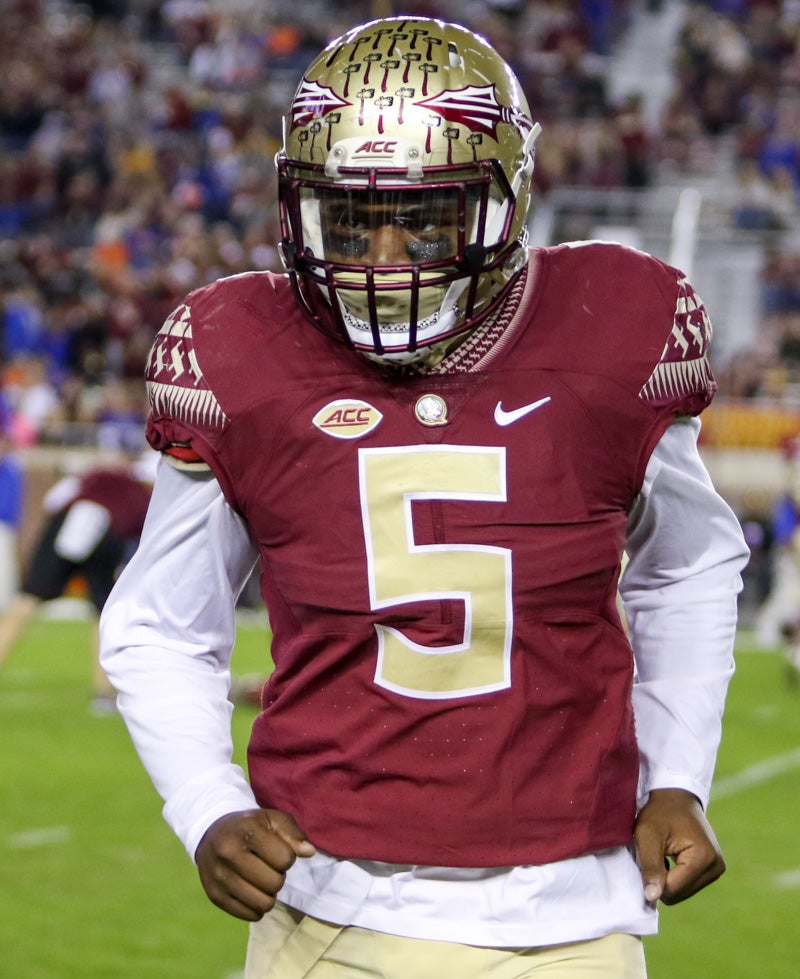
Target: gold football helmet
404, 185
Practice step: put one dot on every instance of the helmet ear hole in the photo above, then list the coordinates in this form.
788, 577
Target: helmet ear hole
422, 112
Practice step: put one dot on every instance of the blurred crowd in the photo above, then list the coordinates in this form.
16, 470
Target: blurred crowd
137, 141
737, 78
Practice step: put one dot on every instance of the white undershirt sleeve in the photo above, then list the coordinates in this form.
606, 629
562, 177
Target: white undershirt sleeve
167, 632
679, 592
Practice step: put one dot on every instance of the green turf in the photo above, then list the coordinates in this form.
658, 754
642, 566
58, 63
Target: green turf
94, 886
745, 926
94, 883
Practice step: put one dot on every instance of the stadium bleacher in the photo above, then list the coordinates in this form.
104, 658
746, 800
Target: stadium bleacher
137, 145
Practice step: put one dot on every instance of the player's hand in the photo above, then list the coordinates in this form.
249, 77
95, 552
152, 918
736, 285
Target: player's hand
243, 859
676, 848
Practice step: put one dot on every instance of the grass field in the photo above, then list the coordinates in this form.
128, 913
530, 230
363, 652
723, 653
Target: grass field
94, 886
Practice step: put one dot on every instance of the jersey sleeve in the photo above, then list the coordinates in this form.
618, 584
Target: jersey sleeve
618, 313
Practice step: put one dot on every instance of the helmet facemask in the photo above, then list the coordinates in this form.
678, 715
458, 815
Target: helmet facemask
389, 248
401, 264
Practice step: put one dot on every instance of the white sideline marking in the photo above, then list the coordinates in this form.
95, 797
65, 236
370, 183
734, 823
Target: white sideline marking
762, 771
39, 837
788, 880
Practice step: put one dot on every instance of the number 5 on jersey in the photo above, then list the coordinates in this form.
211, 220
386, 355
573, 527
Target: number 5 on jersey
401, 571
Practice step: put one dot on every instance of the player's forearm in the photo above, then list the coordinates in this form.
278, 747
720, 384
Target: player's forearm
680, 592
683, 636
178, 715
684, 656
167, 632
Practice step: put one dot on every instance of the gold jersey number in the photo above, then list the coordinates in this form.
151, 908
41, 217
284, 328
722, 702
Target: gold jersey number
401, 571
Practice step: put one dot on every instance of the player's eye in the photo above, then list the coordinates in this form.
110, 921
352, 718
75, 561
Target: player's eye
415, 220
350, 220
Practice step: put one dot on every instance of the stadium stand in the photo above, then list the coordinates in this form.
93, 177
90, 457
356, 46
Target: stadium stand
137, 143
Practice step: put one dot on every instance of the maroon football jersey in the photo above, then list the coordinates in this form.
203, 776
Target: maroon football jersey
441, 550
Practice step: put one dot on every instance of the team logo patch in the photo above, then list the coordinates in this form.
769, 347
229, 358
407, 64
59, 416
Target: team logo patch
430, 409
347, 418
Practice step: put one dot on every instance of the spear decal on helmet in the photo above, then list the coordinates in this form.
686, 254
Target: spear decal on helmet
475, 107
314, 101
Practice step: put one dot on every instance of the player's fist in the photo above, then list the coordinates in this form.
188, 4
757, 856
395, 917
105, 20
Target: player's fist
673, 827
243, 859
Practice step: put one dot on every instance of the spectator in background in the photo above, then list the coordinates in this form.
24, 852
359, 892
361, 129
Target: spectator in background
12, 496
635, 142
778, 616
92, 527
33, 398
757, 578
754, 207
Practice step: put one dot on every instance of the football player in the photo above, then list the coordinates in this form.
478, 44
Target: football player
92, 525
440, 443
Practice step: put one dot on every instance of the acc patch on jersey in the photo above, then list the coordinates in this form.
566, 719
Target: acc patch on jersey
347, 418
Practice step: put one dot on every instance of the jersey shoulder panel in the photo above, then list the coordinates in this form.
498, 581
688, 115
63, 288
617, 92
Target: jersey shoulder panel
682, 378
635, 317
207, 356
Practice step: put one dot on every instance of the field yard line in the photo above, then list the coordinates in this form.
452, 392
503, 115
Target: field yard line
762, 771
32, 838
788, 880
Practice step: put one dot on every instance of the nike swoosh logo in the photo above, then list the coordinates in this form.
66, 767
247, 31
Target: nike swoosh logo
503, 417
